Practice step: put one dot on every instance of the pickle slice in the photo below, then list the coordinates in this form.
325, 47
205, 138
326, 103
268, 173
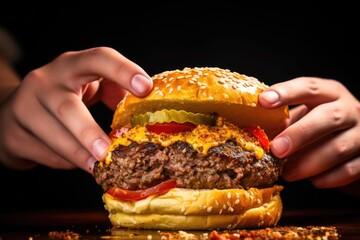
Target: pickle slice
171, 115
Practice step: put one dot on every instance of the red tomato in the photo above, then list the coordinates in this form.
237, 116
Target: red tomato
260, 134
170, 127
135, 195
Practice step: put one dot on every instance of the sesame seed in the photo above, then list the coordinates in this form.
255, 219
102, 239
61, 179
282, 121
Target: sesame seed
237, 201
180, 77
160, 93
209, 209
230, 209
229, 195
221, 81
178, 87
171, 90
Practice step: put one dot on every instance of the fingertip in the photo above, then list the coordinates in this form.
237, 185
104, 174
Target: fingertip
141, 85
90, 164
269, 99
280, 146
100, 147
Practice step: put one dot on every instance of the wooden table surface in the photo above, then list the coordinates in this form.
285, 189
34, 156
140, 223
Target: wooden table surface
95, 224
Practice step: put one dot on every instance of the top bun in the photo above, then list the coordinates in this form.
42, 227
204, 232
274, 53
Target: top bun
206, 90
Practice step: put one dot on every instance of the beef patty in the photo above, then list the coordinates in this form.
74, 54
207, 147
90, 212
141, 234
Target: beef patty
140, 166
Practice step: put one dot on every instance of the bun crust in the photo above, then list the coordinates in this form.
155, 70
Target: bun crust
206, 90
189, 209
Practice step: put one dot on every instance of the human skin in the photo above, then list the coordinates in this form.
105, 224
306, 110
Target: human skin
322, 140
46, 119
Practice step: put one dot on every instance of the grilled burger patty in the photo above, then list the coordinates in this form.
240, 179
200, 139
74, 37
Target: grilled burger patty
140, 166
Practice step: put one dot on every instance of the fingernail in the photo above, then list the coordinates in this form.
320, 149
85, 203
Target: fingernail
270, 96
100, 147
140, 84
280, 146
90, 164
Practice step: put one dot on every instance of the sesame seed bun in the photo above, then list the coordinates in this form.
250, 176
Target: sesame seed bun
189, 209
230, 95
206, 90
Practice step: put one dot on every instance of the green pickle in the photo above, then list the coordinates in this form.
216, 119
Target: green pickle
172, 115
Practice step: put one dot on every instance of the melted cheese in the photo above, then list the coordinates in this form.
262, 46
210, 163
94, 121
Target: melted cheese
202, 138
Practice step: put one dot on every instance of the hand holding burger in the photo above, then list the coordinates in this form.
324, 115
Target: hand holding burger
194, 154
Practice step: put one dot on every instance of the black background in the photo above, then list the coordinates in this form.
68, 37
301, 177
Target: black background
273, 42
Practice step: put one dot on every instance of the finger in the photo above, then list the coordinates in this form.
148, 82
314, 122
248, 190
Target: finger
110, 93
303, 90
323, 120
33, 151
76, 118
296, 113
53, 133
318, 158
79, 68
346, 173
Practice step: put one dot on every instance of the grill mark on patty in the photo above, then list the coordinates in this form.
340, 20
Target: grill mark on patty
140, 166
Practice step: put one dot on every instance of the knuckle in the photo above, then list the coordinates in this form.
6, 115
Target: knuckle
99, 51
342, 148
313, 85
337, 115
304, 130
64, 107
89, 134
62, 57
352, 169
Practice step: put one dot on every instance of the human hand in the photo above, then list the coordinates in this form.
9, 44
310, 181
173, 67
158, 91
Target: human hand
47, 120
322, 140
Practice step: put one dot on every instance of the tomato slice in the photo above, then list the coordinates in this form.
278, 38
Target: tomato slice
170, 127
136, 195
260, 134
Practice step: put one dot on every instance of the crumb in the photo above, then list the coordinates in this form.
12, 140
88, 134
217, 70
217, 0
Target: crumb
64, 235
279, 233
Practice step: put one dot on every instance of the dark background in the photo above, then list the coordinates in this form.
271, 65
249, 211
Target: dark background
273, 42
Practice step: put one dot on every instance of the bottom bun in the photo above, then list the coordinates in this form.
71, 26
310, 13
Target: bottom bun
189, 209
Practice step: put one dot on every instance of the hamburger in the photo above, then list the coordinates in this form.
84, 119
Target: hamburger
193, 155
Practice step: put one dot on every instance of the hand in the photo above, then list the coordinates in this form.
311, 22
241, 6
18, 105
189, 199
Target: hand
47, 120
322, 140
